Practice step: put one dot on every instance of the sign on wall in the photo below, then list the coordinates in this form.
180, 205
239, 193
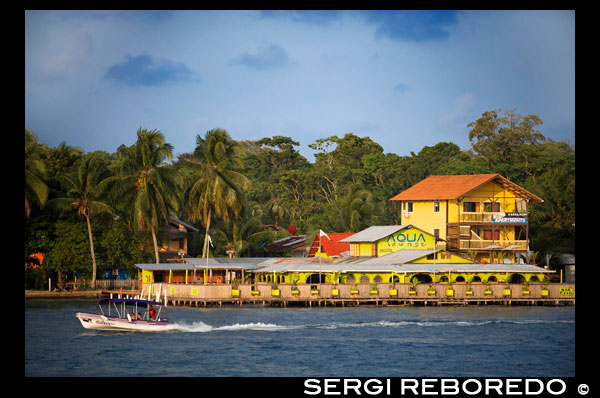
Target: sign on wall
510, 217
405, 239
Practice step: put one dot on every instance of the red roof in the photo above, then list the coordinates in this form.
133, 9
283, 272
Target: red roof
331, 247
455, 186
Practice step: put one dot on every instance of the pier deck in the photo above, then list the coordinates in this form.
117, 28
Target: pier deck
211, 295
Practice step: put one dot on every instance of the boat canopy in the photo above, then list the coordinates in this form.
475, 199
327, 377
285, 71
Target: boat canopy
140, 303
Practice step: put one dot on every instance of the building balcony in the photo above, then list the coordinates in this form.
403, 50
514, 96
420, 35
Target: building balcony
486, 245
492, 218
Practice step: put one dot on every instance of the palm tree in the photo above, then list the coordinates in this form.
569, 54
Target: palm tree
86, 187
276, 208
240, 234
61, 158
215, 185
148, 187
354, 209
36, 189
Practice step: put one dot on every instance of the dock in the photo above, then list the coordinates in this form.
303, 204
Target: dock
352, 295
75, 294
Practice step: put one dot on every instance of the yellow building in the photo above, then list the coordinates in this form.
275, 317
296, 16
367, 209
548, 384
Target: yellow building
484, 216
401, 266
378, 254
379, 240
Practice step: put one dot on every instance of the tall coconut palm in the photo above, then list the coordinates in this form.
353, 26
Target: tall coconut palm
61, 157
36, 189
276, 208
150, 188
215, 186
86, 188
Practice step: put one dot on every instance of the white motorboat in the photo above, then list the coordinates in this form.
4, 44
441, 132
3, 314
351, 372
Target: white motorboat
127, 315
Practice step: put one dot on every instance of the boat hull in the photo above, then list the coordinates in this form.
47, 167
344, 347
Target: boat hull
101, 322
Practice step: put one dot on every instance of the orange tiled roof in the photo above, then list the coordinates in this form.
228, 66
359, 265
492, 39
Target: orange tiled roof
455, 186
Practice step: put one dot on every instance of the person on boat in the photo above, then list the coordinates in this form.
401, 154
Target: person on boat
139, 316
152, 312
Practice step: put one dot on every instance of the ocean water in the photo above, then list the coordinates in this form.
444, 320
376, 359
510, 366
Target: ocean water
486, 341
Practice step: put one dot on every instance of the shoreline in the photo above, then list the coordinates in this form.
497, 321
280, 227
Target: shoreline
85, 294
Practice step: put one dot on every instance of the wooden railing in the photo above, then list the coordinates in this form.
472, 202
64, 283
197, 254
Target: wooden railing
471, 218
263, 291
104, 284
466, 244
476, 217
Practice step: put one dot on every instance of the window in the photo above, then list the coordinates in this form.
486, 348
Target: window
487, 234
471, 207
409, 207
436, 206
491, 207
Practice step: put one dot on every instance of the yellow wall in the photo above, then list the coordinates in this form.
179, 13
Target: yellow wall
318, 253
491, 190
405, 239
425, 218
147, 276
301, 277
445, 257
501, 277
363, 249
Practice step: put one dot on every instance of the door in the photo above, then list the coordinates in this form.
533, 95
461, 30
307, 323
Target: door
487, 234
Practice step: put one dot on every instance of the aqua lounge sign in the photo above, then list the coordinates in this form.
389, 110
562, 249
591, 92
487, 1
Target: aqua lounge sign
406, 239
510, 217
401, 237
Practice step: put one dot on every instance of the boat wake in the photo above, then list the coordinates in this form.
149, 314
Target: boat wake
201, 327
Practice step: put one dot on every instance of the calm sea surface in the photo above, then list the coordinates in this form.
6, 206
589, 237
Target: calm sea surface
348, 342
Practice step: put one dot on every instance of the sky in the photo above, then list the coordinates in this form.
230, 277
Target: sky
406, 79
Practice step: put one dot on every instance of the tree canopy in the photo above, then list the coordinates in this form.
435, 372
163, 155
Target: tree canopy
243, 187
